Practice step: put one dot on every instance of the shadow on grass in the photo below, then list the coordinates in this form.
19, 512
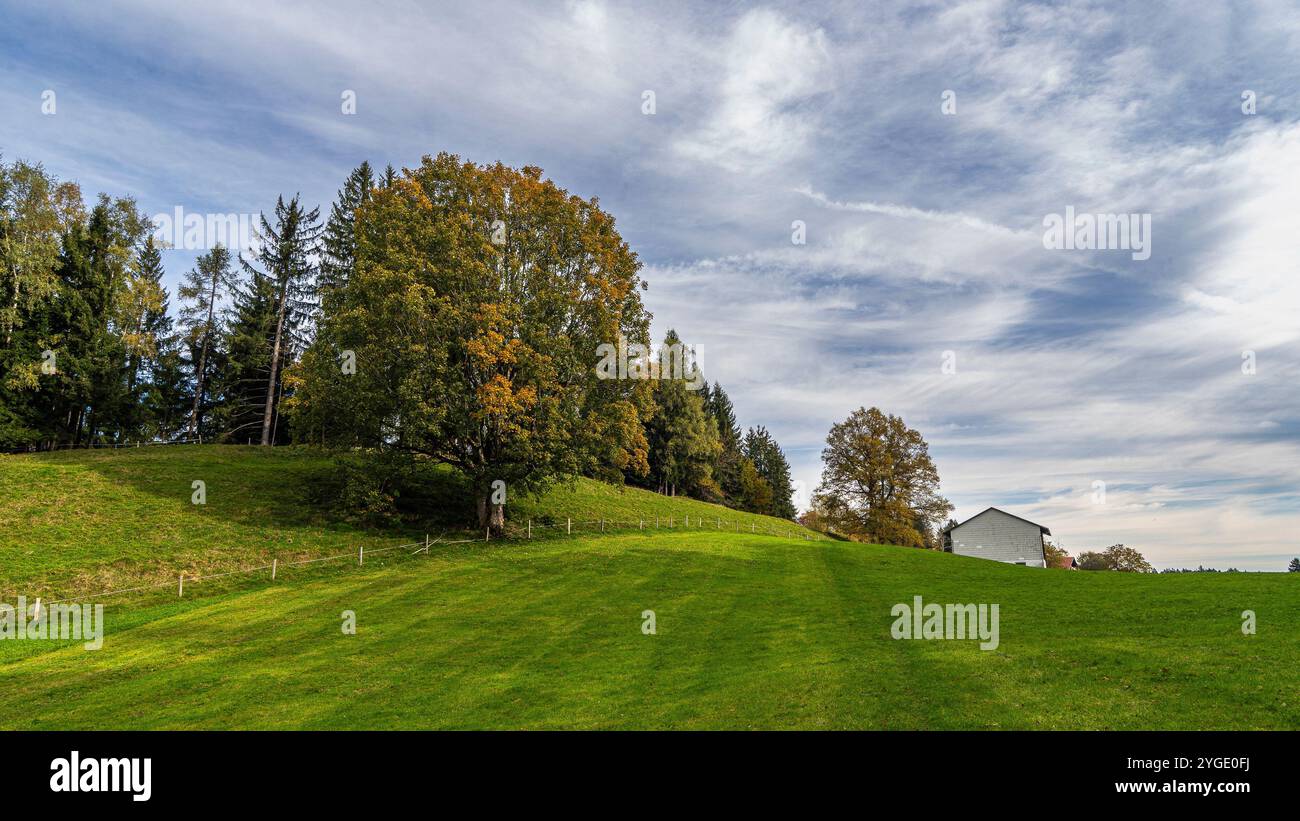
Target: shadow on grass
295, 486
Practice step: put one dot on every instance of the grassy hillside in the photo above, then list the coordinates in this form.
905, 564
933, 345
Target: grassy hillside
752, 631
82, 522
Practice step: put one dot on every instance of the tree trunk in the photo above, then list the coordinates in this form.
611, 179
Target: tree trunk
490, 516
275, 367
203, 358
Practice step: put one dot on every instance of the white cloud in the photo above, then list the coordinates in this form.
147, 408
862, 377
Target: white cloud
771, 70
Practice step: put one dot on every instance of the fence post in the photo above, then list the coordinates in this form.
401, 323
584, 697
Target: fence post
670, 521
688, 520
180, 586
274, 562
656, 521
640, 524
361, 554
37, 615
719, 523
426, 543
751, 527
568, 526
487, 533
530, 528
602, 524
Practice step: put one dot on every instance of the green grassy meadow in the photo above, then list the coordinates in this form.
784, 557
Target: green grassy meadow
753, 630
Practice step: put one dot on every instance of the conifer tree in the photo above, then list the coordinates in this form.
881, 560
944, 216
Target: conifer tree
339, 241
727, 468
683, 438
144, 327
204, 288
765, 453
287, 261
244, 361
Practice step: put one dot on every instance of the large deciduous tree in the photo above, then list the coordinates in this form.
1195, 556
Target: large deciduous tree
878, 481
473, 319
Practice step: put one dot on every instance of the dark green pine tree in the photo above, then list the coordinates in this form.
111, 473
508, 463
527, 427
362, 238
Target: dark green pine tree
1294, 566
287, 260
70, 326
168, 398
148, 335
242, 362
339, 241
390, 176
204, 289
763, 451
682, 438
165, 393
728, 467
96, 286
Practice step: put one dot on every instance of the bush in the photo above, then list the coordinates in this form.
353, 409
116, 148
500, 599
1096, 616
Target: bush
387, 489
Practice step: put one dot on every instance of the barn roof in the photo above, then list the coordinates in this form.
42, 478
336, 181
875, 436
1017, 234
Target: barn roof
1045, 531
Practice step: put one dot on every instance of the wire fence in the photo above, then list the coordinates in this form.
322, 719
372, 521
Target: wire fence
521, 533
103, 446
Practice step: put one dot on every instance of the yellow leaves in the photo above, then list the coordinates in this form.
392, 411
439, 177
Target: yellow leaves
24, 376
503, 405
490, 349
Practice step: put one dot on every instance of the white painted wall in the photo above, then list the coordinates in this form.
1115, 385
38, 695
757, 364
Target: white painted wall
1001, 537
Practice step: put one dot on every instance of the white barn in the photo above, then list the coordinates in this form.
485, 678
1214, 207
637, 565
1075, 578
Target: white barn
997, 535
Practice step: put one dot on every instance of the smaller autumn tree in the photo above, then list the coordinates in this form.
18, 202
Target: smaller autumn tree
878, 481
1054, 554
1127, 559
1116, 557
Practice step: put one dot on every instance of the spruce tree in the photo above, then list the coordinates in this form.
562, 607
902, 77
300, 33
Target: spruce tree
728, 466
762, 449
287, 261
243, 362
205, 287
339, 241
144, 326
683, 439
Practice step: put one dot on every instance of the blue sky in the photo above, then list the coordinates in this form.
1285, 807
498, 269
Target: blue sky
924, 229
